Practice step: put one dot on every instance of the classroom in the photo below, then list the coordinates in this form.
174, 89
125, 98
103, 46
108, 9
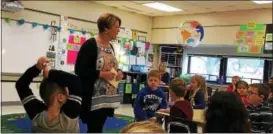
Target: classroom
150, 60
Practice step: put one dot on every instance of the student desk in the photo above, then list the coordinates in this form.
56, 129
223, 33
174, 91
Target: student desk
198, 116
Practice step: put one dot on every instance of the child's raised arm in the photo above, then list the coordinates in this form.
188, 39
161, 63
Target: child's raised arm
31, 104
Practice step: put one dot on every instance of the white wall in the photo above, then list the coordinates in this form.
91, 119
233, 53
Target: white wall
86, 10
10, 94
219, 28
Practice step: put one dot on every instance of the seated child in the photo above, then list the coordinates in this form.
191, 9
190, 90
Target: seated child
231, 87
270, 97
197, 94
260, 113
61, 93
150, 99
181, 107
226, 114
241, 89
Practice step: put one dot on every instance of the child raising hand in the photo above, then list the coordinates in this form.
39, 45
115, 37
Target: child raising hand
61, 95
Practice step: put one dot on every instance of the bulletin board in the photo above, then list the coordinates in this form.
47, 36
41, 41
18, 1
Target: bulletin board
131, 53
250, 38
68, 48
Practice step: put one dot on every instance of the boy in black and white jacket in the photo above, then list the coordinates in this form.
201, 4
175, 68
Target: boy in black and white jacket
61, 93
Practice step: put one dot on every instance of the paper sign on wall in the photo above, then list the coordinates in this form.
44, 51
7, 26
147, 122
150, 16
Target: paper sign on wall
268, 46
71, 57
73, 46
251, 25
268, 37
250, 38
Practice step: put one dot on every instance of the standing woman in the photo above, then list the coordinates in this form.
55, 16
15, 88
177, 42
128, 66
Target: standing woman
165, 76
94, 66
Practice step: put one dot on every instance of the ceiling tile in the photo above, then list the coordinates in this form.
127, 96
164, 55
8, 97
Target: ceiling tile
189, 7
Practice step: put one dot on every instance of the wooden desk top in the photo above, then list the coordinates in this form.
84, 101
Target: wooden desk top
198, 115
163, 86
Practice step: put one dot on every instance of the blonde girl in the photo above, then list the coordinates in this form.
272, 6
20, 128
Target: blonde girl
165, 76
143, 127
197, 94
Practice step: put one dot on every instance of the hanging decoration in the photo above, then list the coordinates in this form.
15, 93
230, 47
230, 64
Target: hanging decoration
83, 32
7, 20
21, 21
45, 26
59, 28
71, 31
34, 24
191, 33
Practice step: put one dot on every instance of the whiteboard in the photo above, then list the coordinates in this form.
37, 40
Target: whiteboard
22, 46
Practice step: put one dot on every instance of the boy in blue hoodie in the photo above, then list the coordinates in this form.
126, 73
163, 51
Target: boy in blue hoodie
150, 99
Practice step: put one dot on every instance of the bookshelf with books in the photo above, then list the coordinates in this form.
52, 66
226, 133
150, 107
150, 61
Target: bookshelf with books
172, 56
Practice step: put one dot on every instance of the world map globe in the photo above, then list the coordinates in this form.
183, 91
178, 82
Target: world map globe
191, 33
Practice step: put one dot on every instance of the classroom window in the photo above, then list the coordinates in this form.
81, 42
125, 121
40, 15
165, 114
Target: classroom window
250, 70
208, 67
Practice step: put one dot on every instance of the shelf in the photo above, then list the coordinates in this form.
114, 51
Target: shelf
172, 58
172, 53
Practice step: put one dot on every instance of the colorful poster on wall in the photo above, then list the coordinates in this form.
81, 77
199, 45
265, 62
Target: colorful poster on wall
250, 38
73, 47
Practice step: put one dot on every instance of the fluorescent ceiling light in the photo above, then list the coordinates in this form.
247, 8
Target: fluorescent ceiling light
162, 7
262, 2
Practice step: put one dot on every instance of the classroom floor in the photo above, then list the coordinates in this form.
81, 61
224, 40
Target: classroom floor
124, 109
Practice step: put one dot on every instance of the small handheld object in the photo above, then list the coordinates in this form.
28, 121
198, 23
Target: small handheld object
114, 82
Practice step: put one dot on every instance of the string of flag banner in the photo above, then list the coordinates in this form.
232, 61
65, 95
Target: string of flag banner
46, 26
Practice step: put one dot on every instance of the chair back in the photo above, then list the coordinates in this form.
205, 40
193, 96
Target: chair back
179, 125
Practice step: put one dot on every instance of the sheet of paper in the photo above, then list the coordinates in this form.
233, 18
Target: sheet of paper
125, 59
128, 88
268, 46
71, 57
134, 96
114, 82
268, 37
141, 60
132, 60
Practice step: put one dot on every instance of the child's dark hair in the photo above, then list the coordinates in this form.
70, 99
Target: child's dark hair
263, 89
154, 73
226, 114
270, 87
239, 83
48, 88
178, 86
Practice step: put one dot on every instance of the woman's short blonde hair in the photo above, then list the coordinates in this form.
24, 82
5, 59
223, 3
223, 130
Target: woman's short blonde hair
107, 20
143, 127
